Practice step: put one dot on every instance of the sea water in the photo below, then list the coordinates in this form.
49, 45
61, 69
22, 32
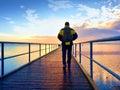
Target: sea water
11, 64
108, 54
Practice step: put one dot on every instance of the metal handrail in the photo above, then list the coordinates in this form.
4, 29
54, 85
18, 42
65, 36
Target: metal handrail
117, 38
51, 48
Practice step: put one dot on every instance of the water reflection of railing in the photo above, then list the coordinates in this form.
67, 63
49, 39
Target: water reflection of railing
90, 57
42, 49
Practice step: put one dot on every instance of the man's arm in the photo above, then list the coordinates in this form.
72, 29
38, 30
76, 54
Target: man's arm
75, 36
59, 36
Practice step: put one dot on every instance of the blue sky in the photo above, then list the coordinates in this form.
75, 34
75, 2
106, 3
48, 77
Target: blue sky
29, 18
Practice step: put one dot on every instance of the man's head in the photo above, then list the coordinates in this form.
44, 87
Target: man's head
67, 24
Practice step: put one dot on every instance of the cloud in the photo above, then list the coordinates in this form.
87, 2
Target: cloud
59, 4
109, 13
9, 20
87, 33
37, 26
31, 15
110, 25
90, 12
94, 33
97, 16
22, 6
115, 25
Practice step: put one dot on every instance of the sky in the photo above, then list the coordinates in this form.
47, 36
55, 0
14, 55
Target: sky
29, 19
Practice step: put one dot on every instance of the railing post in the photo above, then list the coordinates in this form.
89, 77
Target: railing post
45, 48
39, 50
49, 47
52, 47
91, 58
29, 52
2, 59
75, 50
80, 58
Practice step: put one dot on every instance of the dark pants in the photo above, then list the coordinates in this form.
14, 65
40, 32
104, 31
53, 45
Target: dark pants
66, 50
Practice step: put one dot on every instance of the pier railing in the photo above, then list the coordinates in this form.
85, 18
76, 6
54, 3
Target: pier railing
22, 53
90, 57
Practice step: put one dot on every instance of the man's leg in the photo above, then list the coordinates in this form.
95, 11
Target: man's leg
64, 55
69, 55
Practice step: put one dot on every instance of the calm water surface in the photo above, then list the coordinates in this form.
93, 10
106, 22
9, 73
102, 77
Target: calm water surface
109, 56
16, 49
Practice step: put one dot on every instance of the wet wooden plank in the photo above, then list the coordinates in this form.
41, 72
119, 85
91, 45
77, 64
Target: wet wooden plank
47, 73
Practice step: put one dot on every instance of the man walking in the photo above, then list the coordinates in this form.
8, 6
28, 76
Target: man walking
67, 35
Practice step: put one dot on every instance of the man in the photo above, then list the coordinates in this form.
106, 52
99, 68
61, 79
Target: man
67, 35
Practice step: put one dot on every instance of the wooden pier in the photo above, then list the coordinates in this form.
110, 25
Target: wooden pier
47, 73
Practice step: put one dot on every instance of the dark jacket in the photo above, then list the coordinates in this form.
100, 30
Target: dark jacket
61, 33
